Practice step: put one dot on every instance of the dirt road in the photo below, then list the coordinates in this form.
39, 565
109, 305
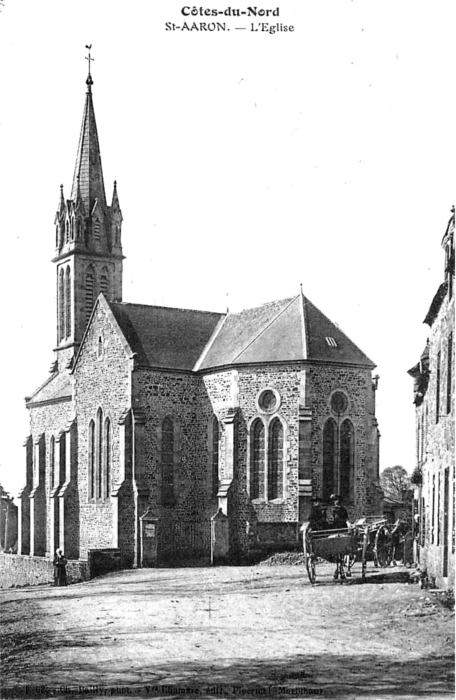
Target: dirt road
228, 632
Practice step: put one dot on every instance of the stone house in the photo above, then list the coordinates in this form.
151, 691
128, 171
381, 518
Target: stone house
434, 475
178, 414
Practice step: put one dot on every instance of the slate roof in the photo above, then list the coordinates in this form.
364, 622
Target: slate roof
287, 330
282, 331
436, 304
57, 386
165, 337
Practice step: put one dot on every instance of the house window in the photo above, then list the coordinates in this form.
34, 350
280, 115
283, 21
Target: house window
275, 460
329, 458
167, 462
347, 445
257, 459
215, 455
437, 390
91, 471
449, 373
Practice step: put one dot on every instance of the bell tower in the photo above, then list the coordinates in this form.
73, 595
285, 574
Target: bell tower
88, 245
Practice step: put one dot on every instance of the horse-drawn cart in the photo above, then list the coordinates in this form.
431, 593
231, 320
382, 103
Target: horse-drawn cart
330, 545
368, 539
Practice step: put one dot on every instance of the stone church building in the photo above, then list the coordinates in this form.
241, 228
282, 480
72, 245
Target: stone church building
171, 416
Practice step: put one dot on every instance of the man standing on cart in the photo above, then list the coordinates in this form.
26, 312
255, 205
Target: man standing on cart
339, 513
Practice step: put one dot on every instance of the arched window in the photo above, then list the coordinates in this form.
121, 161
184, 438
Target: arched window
68, 302
107, 458
89, 291
62, 463
61, 305
329, 458
67, 231
52, 471
347, 466
275, 460
215, 455
99, 477
257, 460
167, 461
91, 461
104, 282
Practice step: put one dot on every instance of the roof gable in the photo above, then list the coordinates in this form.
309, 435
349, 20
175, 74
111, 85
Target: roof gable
165, 337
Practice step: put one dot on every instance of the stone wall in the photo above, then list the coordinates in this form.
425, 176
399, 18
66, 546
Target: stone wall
193, 401
46, 422
17, 571
435, 441
356, 383
184, 524
102, 381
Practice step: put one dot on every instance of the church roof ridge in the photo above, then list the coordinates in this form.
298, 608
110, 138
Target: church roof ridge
168, 308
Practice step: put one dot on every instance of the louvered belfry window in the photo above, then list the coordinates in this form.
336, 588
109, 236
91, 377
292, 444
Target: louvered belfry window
89, 292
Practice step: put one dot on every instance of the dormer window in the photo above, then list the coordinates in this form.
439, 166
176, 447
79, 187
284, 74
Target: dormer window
331, 342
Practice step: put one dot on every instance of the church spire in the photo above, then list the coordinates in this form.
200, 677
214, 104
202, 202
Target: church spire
88, 160
88, 239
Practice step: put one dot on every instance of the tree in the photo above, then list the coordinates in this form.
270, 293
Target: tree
395, 482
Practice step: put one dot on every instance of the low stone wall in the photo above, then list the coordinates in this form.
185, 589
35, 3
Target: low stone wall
18, 570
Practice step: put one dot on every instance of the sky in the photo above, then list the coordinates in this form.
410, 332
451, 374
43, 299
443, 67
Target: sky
247, 163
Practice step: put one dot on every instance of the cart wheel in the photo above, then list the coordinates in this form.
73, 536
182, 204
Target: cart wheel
310, 556
383, 547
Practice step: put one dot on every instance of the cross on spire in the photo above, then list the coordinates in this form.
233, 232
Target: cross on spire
89, 58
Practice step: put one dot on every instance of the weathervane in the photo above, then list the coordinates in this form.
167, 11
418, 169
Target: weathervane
89, 58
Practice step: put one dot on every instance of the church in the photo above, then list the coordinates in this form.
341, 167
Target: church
155, 424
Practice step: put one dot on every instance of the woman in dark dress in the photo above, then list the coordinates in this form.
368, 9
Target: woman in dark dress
60, 562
